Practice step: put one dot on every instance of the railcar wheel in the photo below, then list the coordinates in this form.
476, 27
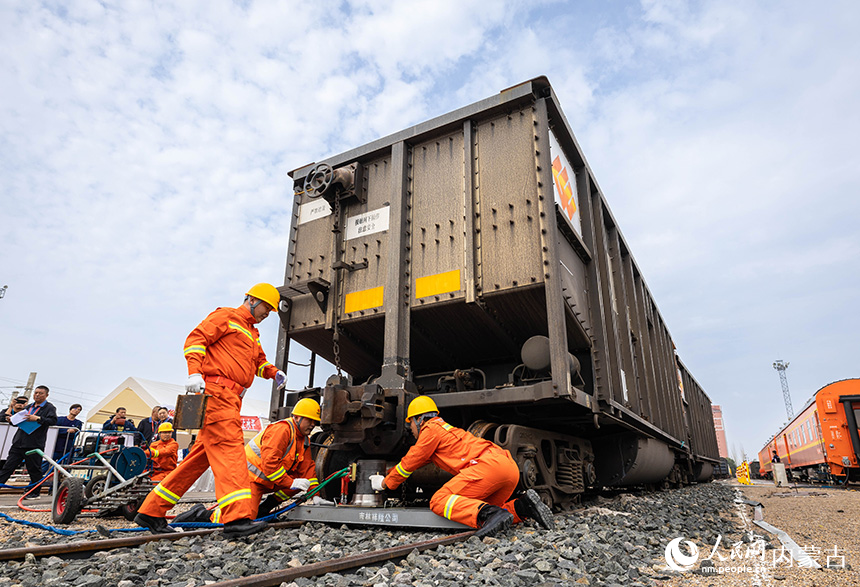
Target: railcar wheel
67, 502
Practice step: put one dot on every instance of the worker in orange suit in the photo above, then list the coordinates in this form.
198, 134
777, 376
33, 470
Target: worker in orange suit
279, 458
223, 355
485, 475
279, 462
163, 452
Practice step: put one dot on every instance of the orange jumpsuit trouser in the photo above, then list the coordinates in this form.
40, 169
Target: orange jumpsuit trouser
492, 480
220, 445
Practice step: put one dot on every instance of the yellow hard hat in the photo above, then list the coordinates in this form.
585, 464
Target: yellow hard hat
266, 292
420, 405
307, 408
166, 427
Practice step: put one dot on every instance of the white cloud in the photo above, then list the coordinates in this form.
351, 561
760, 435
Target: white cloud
143, 149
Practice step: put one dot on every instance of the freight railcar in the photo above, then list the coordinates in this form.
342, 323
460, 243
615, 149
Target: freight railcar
822, 441
474, 258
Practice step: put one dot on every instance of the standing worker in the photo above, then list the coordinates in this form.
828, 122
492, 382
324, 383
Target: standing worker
485, 474
223, 354
164, 452
279, 460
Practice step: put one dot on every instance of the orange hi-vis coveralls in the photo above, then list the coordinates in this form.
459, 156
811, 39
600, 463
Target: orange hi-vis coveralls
164, 456
483, 472
276, 456
225, 348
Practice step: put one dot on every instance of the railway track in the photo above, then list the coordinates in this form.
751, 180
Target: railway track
89, 547
340, 564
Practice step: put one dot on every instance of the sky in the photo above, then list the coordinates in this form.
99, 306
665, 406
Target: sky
144, 148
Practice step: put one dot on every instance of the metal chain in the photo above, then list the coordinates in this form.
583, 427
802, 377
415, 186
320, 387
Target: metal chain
336, 334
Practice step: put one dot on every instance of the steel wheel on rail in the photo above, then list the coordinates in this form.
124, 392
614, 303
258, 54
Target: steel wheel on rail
68, 501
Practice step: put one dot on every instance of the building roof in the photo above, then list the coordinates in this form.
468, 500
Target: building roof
157, 393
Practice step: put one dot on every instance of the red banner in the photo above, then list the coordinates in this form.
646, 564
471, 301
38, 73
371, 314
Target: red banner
252, 423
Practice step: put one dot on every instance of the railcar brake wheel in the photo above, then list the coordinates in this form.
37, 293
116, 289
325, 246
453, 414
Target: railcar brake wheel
318, 180
67, 502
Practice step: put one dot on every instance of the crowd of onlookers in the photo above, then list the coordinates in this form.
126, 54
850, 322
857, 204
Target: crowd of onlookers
41, 414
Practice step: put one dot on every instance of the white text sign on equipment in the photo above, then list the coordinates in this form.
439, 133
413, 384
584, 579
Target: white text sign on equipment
367, 223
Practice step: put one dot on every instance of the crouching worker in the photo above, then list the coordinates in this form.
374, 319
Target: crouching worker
279, 462
485, 475
163, 452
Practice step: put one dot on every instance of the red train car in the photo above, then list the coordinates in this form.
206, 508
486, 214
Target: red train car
823, 439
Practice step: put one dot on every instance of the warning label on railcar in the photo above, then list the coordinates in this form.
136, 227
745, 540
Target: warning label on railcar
367, 223
314, 210
564, 183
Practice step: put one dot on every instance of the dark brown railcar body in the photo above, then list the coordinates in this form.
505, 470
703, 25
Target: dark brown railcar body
473, 258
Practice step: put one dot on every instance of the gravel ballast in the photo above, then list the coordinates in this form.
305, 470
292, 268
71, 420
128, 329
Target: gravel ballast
608, 541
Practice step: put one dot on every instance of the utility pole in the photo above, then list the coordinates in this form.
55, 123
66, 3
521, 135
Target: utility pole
781, 366
28, 389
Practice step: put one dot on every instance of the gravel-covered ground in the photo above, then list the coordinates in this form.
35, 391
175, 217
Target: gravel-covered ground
609, 541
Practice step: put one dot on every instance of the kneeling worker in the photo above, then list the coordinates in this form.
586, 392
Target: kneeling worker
279, 460
485, 475
163, 452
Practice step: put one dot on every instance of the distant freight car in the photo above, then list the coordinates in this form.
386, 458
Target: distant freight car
473, 258
822, 441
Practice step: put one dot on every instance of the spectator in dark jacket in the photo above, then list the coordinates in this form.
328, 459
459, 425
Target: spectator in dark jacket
148, 428
119, 423
43, 414
66, 438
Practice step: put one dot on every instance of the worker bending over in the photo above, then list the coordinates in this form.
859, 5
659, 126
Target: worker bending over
279, 460
485, 475
163, 452
223, 354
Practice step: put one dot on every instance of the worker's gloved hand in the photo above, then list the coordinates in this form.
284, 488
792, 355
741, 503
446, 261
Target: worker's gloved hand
317, 500
300, 485
195, 383
281, 379
376, 482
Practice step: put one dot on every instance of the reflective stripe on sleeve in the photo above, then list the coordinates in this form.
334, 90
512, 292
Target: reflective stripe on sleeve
262, 367
197, 348
403, 472
277, 474
281, 495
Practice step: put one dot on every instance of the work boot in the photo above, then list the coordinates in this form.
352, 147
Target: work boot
154, 525
530, 506
267, 505
493, 519
197, 514
243, 527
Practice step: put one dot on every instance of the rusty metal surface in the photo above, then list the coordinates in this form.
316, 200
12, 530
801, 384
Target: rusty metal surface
190, 411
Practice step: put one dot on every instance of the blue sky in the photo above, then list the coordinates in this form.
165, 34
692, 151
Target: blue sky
144, 150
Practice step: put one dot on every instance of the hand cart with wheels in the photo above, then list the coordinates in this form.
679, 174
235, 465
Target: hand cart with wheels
118, 485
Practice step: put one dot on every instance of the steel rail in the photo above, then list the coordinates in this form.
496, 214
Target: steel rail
339, 564
86, 546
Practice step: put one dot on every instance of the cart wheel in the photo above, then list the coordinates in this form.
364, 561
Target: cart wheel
95, 486
129, 510
67, 502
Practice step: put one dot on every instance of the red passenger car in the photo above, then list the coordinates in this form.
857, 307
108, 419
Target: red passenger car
823, 439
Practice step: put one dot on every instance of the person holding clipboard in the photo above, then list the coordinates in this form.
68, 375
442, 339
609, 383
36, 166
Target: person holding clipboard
32, 423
